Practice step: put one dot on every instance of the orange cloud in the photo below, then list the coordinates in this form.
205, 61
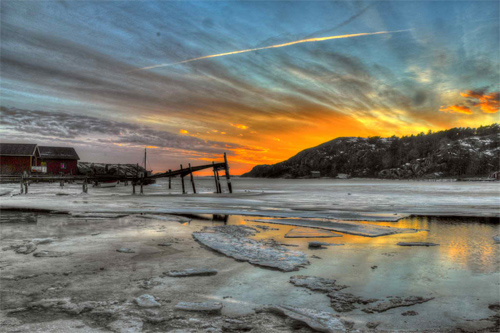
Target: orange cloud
240, 126
488, 103
457, 108
183, 131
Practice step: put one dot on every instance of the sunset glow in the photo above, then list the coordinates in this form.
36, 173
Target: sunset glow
200, 79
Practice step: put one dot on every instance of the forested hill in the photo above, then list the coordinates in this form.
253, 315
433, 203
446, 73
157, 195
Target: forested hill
457, 152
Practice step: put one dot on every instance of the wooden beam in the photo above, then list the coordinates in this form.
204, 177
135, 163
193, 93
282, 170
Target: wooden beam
169, 181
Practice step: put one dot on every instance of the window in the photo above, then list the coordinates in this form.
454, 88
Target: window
63, 165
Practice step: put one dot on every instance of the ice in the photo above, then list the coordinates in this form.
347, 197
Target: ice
370, 200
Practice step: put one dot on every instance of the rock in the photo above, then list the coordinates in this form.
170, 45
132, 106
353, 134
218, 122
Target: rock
264, 227
232, 242
345, 302
51, 254
235, 325
148, 284
165, 244
410, 313
397, 302
416, 244
26, 248
146, 301
374, 267
317, 320
319, 245
191, 272
125, 250
310, 233
316, 283
65, 305
373, 325
340, 302
95, 234
18, 277
126, 324
39, 241
208, 307
494, 306
496, 239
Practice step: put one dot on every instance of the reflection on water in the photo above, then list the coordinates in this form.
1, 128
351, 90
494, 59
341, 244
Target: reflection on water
465, 243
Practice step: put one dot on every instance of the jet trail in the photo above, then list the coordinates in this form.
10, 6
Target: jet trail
308, 40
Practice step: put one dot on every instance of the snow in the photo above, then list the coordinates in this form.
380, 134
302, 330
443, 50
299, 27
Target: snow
377, 200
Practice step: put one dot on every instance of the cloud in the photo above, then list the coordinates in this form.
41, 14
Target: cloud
457, 108
240, 126
61, 126
488, 103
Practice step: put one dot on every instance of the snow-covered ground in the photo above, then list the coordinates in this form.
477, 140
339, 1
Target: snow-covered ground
356, 199
82, 268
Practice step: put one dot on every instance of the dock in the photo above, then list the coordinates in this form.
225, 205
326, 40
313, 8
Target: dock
140, 179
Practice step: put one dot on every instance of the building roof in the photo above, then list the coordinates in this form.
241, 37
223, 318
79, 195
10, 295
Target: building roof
58, 153
17, 149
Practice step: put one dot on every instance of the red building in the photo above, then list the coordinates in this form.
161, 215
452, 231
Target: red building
59, 159
15, 158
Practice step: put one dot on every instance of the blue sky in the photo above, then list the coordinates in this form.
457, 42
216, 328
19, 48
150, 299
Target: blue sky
69, 75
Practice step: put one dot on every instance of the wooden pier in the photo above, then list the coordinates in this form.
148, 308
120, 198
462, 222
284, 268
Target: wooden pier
140, 179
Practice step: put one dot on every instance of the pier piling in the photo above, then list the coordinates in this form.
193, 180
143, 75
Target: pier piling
228, 176
215, 178
219, 187
182, 181
192, 178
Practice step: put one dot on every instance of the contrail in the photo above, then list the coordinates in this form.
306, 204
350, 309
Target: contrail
308, 40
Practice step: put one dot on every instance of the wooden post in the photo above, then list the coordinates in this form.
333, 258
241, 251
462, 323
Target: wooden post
21, 183
182, 180
169, 181
142, 189
26, 187
228, 176
215, 178
219, 187
192, 179
61, 183
133, 187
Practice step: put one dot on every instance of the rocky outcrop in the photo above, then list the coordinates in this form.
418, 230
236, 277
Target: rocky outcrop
453, 153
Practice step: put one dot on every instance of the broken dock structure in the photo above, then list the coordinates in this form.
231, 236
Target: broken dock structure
139, 179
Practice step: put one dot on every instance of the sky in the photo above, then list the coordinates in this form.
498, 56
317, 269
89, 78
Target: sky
111, 78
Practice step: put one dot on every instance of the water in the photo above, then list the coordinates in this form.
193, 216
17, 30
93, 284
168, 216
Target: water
461, 273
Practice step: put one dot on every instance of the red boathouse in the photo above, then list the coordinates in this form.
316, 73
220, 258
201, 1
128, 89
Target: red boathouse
15, 158
59, 159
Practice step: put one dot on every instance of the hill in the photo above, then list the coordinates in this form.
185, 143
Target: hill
457, 152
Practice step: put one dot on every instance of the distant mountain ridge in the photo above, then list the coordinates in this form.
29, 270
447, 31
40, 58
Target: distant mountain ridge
457, 152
